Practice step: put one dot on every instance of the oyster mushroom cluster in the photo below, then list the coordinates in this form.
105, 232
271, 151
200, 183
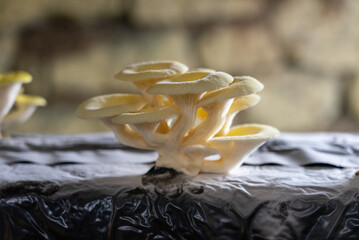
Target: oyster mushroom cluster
186, 116
16, 107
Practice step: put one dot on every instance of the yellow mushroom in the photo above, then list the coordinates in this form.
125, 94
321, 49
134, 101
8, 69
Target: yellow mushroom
25, 106
10, 85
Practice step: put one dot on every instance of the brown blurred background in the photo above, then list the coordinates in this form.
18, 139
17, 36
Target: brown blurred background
305, 52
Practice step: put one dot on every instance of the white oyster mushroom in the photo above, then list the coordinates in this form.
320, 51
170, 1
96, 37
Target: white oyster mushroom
25, 106
10, 85
240, 141
184, 115
108, 106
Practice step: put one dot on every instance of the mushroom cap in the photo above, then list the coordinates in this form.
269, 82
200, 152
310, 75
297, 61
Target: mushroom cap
247, 132
244, 102
191, 83
13, 77
110, 105
151, 70
202, 70
247, 84
146, 115
31, 100
240, 86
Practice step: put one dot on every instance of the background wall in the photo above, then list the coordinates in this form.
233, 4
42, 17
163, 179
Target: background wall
305, 52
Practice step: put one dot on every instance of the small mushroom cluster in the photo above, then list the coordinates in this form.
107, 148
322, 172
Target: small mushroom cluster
184, 115
16, 107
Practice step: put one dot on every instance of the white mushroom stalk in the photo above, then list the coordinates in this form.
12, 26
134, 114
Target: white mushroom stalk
10, 85
164, 119
25, 106
239, 104
185, 90
217, 103
216, 117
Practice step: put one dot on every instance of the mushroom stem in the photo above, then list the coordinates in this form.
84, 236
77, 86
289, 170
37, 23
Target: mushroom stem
187, 117
126, 135
216, 118
8, 94
148, 131
239, 104
227, 124
153, 100
178, 160
20, 115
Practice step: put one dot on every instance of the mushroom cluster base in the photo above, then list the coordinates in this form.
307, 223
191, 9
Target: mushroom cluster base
185, 115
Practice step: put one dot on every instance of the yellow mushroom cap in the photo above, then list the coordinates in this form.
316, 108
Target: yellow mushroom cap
244, 102
191, 83
151, 70
247, 132
149, 114
240, 86
13, 77
31, 100
110, 105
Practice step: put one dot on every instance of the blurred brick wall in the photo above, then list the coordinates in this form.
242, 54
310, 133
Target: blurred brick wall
305, 52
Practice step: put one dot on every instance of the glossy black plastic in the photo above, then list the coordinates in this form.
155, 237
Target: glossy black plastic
91, 201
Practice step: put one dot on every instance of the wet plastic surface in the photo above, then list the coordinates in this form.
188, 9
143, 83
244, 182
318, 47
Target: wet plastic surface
90, 187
